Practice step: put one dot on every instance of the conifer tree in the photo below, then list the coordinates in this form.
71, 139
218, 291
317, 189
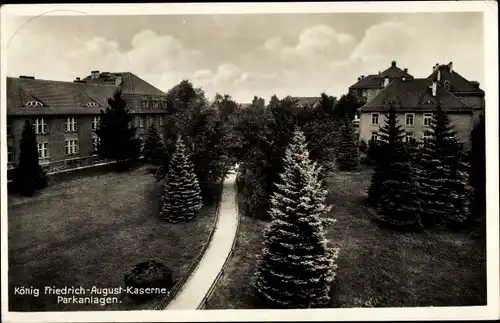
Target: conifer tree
397, 186
181, 200
117, 135
296, 267
29, 175
444, 186
347, 149
153, 146
478, 165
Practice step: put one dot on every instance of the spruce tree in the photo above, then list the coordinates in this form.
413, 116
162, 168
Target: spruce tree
397, 185
181, 200
478, 166
347, 149
296, 267
29, 175
117, 135
153, 146
445, 191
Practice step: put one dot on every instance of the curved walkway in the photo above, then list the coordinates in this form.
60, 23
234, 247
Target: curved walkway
198, 285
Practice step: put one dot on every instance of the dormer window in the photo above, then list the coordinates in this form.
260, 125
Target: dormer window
144, 103
92, 104
33, 104
447, 85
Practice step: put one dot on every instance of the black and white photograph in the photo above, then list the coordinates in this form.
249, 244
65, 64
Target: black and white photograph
285, 161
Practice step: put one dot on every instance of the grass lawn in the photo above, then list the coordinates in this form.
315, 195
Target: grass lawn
89, 232
377, 267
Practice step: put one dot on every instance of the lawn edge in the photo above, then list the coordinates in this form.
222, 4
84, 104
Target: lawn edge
163, 303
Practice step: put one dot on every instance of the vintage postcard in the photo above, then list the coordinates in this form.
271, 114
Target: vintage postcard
249, 161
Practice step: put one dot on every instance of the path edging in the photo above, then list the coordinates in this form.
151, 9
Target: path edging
203, 302
163, 303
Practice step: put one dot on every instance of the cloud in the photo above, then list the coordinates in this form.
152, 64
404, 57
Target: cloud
154, 57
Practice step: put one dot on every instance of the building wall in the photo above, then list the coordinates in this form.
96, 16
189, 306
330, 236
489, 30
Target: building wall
462, 125
476, 102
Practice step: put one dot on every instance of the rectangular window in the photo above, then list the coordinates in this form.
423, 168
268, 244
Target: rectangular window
409, 136
71, 147
375, 118
364, 93
427, 119
144, 104
151, 119
40, 126
43, 150
141, 121
10, 155
427, 135
70, 124
95, 142
95, 122
374, 136
409, 117
160, 121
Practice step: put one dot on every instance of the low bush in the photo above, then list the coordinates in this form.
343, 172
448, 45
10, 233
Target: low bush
148, 274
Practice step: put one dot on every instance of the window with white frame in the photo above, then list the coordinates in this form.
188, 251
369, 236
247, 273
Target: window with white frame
95, 143
409, 137
43, 150
364, 93
374, 136
409, 119
70, 124
427, 119
427, 134
71, 147
151, 120
375, 117
95, 122
141, 121
10, 155
40, 126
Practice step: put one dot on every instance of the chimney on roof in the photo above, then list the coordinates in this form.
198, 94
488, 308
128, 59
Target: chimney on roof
450, 67
434, 88
393, 63
77, 80
26, 77
118, 80
386, 81
439, 76
359, 78
475, 83
406, 70
94, 75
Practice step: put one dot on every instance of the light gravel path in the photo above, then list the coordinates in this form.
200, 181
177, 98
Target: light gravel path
197, 286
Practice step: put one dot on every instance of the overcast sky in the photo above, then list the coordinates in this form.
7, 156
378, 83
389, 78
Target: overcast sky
247, 55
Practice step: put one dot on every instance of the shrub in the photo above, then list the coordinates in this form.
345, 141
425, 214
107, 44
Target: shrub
148, 274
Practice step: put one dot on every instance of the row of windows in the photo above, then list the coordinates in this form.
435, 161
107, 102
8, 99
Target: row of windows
72, 147
409, 119
70, 124
154, 104
409, 136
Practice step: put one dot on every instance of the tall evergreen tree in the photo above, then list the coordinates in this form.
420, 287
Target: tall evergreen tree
181, 200
153, 146
347, 148
296, 267
478, 166
396, 185
117, 136
445, 191
29, 175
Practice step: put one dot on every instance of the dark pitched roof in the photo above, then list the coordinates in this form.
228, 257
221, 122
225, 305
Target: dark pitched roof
55, 96
307, 100
131, 83
415, 95
377, 80
458, 84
